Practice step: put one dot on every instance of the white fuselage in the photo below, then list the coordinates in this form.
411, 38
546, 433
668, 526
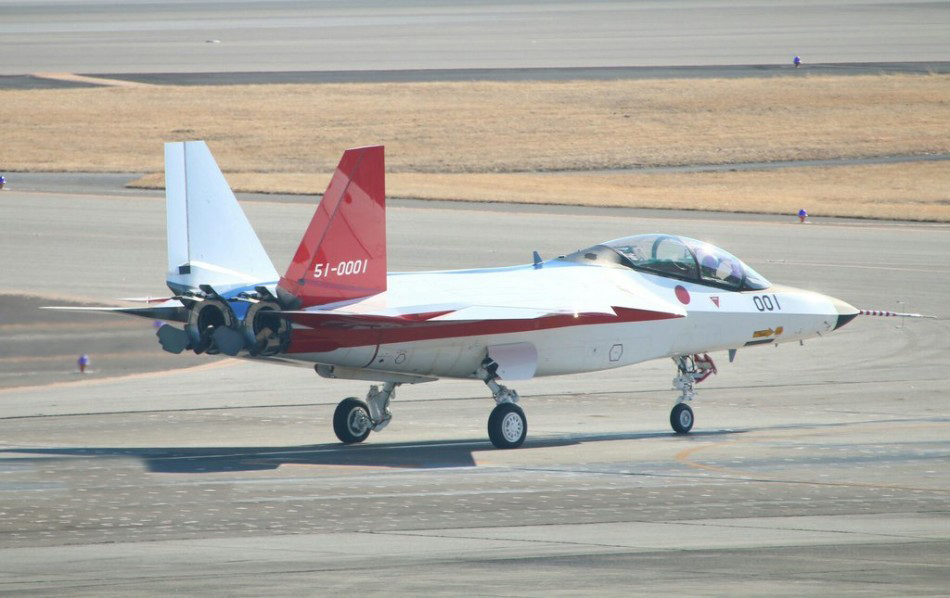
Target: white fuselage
565, 311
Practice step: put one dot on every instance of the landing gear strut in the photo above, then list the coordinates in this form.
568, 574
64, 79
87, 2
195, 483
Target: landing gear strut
507, 424
691, 370
354, 419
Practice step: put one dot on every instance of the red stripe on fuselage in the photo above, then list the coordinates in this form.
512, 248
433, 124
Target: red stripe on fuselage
330, 335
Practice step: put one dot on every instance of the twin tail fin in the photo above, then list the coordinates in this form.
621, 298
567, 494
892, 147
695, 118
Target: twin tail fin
211, 242
342, 256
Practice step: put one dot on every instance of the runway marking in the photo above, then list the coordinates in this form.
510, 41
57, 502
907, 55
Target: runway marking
74, 78
683, 457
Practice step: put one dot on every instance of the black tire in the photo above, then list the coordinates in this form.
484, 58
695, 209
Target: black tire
507, 426
351, 421
681, 418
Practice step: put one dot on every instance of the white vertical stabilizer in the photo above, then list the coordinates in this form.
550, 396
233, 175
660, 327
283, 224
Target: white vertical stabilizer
210, 240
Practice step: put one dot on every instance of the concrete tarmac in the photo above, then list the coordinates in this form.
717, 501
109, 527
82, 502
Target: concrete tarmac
142, 36
820, 469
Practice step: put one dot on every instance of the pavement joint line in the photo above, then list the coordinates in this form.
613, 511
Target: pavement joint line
912, 538
104, 82
97, 381
417, 534
908, 538
684, 455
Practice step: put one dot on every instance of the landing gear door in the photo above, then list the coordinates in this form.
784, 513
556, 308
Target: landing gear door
517, 361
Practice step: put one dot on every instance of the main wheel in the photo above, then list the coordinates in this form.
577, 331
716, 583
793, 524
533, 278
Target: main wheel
681, 418
351, 421
507, 426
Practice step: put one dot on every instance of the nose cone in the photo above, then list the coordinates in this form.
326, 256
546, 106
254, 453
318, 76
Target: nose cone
846, 312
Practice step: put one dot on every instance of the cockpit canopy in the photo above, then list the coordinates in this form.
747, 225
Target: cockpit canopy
676, 257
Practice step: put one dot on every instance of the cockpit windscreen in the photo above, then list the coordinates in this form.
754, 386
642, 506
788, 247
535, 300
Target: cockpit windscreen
685, 259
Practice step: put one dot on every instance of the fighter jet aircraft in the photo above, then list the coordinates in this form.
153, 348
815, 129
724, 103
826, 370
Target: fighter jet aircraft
337, 308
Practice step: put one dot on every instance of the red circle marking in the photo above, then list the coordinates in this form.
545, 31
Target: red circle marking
682, 294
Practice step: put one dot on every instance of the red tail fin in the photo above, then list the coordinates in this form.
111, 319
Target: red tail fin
343, 253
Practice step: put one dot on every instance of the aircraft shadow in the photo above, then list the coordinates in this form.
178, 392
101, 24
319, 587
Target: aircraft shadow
415, 455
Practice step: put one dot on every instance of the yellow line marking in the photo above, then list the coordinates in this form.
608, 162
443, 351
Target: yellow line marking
684, 458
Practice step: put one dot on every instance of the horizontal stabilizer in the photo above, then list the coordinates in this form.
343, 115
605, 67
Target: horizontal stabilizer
172, 311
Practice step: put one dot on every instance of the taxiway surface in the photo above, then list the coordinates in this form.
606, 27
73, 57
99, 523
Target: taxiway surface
215, 36
815, 469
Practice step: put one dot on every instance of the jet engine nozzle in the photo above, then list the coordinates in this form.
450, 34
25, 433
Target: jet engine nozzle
265, 331
212, 328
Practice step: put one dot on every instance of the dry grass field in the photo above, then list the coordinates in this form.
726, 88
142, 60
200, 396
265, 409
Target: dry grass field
525, 141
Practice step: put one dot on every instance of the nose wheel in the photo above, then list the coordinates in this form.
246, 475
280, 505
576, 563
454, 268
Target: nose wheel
681, 418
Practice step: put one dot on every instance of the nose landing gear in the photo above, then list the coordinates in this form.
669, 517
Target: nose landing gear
691, 370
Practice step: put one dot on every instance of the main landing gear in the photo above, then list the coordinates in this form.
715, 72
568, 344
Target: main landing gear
507, 424
354, 419
691, 370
